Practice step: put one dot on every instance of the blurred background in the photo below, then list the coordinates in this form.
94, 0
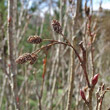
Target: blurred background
23, 87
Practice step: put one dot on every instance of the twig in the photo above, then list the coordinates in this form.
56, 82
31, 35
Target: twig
83, 63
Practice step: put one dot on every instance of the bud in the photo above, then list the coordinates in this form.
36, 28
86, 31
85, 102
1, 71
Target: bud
9, 19
82, 94
34, 39
87, 11
103, 86
95, 79
56, 26
17, 99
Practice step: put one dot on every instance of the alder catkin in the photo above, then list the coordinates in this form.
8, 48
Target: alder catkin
23, 58
56, 26
27, 57
34, 39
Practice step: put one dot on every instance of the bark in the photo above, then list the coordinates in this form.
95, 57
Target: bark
79, 8
11, 53
10, 36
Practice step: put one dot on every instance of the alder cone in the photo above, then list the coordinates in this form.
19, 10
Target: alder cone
34, 39
56, 26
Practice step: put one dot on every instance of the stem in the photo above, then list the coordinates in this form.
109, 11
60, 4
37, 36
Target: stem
57, 42
83, 63
92, 60
68, 44
90, 98
71, 79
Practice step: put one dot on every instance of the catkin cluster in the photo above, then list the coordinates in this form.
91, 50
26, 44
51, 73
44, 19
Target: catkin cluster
27, 57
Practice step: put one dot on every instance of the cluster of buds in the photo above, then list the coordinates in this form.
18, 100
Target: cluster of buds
94, 82
100, 95
34, 39
56, 26
27, 57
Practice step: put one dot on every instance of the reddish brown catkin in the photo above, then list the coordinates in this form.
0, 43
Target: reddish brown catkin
34, 39
27, 57
56, 26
